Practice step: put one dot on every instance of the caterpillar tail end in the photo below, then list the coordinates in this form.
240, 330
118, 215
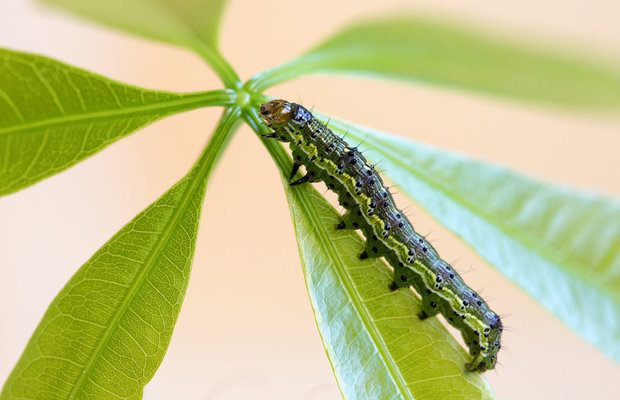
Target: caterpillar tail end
472, 367
481, 363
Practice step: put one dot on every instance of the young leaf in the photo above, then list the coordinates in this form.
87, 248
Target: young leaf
106, 332
561, 246
415, 49
53, 115
193, 24
378, 347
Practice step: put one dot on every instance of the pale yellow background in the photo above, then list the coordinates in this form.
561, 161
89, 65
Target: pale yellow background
255, 337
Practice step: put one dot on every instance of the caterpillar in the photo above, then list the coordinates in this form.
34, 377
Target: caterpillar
370, 208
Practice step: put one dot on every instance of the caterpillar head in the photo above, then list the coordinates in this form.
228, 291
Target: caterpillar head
276, 112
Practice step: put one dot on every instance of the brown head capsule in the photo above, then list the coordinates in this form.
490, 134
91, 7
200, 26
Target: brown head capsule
276, 112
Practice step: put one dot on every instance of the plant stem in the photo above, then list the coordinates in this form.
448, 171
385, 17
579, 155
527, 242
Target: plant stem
219, 64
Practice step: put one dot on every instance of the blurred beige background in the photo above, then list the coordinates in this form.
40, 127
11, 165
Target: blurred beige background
257, 338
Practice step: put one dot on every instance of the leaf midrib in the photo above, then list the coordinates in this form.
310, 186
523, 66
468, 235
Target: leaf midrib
183, 103
196, 177
138, 282
366, 319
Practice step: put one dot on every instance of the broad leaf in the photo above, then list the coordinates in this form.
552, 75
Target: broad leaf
561, 246
378, 347
437, 53
106, 332
193, 24
53, 115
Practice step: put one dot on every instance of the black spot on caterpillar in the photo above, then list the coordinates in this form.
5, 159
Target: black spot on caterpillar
388, 232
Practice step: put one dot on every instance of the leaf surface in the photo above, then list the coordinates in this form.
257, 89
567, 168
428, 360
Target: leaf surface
560, 245
378, 347
438, 53
53, 115
106, 332
193, 24
182, 22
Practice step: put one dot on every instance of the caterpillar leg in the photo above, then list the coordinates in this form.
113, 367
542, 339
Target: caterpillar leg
480, 364
352, 218
429, 306
375, 247
485, 360
344, 198
294, 170
301, 180
401, 278
348, 220
273, 135
312, 174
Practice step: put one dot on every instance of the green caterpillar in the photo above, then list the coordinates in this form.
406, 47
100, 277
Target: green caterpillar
388, 232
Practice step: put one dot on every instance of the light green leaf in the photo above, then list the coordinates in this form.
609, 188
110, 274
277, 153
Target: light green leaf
106, 332
561, 246
182, 22
378, 347
53, 115
193, 24
416, 49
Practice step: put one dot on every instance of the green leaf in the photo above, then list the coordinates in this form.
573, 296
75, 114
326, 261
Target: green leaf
53, 115
415, 49
378, 347
193, 24
181, 22
106, 332
561, 246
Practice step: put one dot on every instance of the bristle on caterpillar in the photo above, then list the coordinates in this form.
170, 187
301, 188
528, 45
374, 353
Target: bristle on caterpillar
370, 208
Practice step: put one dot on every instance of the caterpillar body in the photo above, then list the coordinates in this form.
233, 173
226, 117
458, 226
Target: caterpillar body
370, 208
